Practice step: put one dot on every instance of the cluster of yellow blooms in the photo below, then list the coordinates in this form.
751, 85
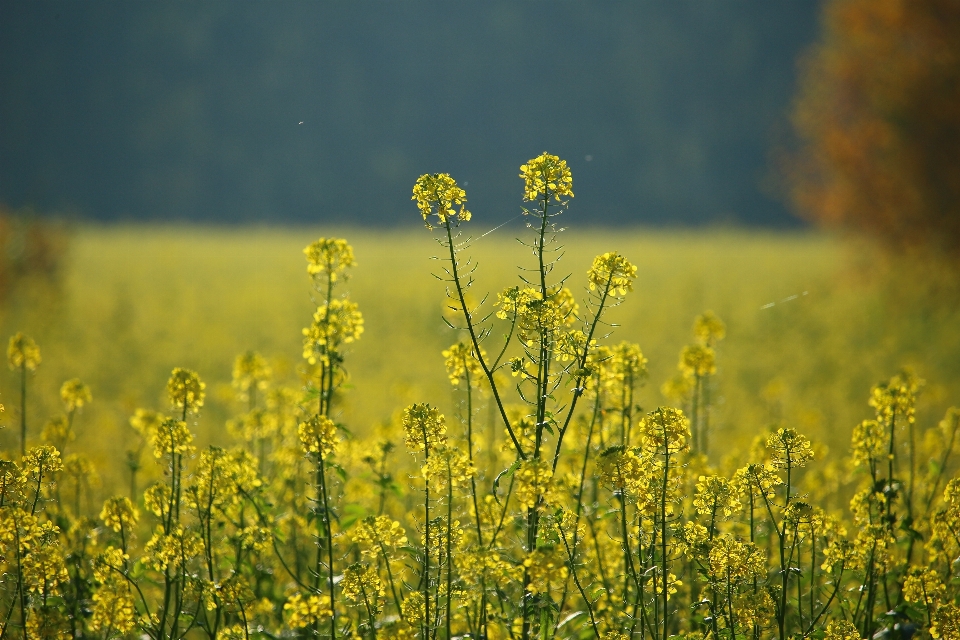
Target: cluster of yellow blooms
548, 506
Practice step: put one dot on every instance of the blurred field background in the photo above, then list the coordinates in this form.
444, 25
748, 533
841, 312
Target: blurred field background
132, 302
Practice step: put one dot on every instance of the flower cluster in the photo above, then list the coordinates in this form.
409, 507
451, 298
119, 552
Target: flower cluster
23, 352
612, 273
331, 256
438, 194
546, 176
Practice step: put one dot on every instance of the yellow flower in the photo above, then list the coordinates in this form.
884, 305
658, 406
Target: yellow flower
362, 585
738, 560
250, 371
870, 442
303, 612
672, 584
378, 534
461, 359
789, 448
58, 432
546, 176
759, 479
318, 435
48, 622
423, 427
329, 255
80, 468
40, 461
691, 539
156, 499
698, 360
449, 464
44, 570
924, 587
146, 422
717, 497
171, 438
74, 394
108, 563
22, 351
622, 470
113, 608
438, 194
665, 430
544, 568
612, 272
896, 397
335, 324
185, 390
841, 630
119, 512
532, 481
534, 316
708, 329
414, 607
172, 550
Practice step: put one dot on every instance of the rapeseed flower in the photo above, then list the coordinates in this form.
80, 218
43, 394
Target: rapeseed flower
546, 175
612, 272
185, 390
438, 194
332, 256
424, 427
23, 352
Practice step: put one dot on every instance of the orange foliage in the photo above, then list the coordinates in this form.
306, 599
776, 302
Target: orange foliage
30, 247
878, 116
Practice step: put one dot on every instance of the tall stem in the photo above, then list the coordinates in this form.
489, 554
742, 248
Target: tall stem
23, 410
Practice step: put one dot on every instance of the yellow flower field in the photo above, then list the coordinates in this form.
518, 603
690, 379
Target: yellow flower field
710, 433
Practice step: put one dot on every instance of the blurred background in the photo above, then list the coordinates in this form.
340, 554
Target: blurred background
326, 112
792, 165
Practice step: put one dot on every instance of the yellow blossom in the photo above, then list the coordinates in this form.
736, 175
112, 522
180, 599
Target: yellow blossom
789, 449
119, 512
717, 497
185, 390
331, 256
171, 438
461, 359
334, 324
362, 585
544, 569
423, 427
413, 607
23, 352
146, 422
708, 329
303, 612
665, 430
250, 372
376, 535
870, 441
438, 194
74, 394
546, 175
613, 273
532, 481
841, 630
113, 608
318, 434
449, 464
698, 360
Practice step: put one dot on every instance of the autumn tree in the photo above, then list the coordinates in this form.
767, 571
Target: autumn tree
878, 121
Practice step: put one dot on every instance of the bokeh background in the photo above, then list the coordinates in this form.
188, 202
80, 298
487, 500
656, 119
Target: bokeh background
791, 165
